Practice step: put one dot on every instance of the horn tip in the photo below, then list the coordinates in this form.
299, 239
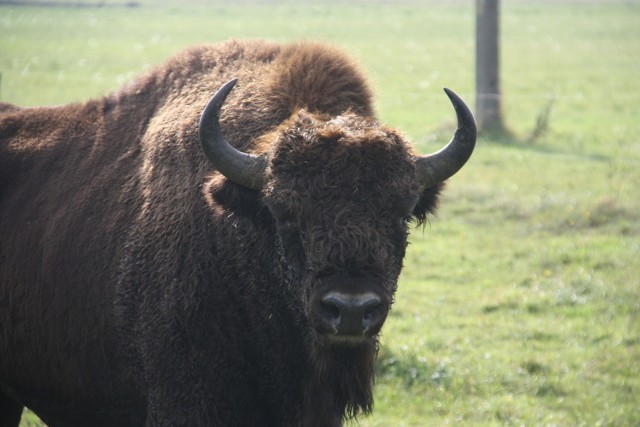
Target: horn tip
451, 94
229, 85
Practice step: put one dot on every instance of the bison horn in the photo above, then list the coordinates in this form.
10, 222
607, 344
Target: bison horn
242, 168
441, 165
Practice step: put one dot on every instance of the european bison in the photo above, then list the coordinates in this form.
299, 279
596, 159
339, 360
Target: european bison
162, 268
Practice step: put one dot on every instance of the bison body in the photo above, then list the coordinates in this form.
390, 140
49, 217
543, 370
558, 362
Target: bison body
139, 285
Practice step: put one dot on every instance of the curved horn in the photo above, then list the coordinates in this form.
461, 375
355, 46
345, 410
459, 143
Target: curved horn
443, 164
241, 168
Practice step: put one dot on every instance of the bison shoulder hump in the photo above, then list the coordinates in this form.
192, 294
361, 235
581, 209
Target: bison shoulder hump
320, 78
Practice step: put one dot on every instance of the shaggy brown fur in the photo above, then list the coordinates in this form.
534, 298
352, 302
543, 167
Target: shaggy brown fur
138, 285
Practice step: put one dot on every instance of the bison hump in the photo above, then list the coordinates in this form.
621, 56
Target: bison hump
319, 78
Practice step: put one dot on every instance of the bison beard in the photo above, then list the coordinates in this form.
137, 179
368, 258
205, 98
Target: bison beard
341, 384
148, 279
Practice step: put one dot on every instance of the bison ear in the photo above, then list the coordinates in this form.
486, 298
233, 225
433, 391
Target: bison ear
225, 195
428, 202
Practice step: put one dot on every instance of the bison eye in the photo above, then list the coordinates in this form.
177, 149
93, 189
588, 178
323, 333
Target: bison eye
288, 230
291, 243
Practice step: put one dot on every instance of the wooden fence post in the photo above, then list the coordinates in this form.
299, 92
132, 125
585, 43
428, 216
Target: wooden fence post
488, 110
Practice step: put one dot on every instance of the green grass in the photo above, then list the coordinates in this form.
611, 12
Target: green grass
520, 302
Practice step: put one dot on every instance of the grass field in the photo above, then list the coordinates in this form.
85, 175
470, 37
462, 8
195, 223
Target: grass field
520, 302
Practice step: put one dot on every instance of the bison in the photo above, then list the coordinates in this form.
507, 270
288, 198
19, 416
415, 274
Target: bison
170, 260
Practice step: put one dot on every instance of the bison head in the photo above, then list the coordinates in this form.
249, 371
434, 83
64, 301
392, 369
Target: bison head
341, 191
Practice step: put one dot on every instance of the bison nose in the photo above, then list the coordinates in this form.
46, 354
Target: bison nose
350, 315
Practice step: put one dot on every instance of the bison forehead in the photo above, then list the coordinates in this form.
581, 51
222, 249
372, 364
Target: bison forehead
321, 165
347, 153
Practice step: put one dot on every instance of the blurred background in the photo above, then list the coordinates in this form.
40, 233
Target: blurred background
519, 303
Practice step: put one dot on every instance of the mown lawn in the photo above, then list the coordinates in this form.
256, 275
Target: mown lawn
520, 302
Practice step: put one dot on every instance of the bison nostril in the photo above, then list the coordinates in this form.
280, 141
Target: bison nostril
373, 318
329, 310
372, 312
